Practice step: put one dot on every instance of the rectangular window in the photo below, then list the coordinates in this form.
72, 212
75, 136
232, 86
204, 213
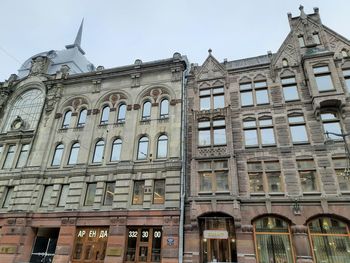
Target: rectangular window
301, 41
331, 124
255, 93
342, 170
63, 195
323, 79
212, 98
290, 89
8, 197
159, 192
9, 157
259, 132
265, 176
139, 189
298, 129
307, 175
211, 132
23, 155
109, 193
90, 194
213, 176
346, 73
45, 201
316, 38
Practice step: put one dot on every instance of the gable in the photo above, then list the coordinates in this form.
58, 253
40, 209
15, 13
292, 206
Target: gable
211, 69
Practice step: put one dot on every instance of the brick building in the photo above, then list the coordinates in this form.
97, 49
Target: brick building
261, 184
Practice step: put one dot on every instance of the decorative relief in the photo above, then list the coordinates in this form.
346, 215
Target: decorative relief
39, 65
114, 98
212, 151
211, 69
53, 95
247, 228
176, 74
299, 229
97, 86
135, 80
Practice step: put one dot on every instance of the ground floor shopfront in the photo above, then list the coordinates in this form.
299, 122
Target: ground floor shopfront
136, 236
251, 233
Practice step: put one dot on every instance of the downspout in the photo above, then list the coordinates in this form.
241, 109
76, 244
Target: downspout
183, 160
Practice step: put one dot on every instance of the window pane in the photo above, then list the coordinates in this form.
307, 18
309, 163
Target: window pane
162, 148
323, 69
247, 98
47, 196
10, 156
8, 197
66, 120
272, 166
340, 162
306, 164
204, 92
346, 72
98, 154
256, 182
109, 193
90, 194
105, 115
121, 113
73, 158
138, 192
265, 122
254, 166
220, 165
217, 123
248, 124
308, 181
267, 136
347, 81
146, 112
251, 137
205, 103
159, 192
221, 181
204, 137
343, 179
328, 116
246, 86
206, 181
219, 136
295, 119
58, 155
156, 245
82, 118
204, 124
301, 41
262, 96
164, 108
260, 84
22, 159
316, 38
288, 80
116, 150
204, 165
142, 149
333, 127
324, 83
274, 182
219, 101
298, 134
290, 93
1, 150
63, 195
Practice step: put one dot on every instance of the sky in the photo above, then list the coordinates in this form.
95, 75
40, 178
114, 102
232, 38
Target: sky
116, 32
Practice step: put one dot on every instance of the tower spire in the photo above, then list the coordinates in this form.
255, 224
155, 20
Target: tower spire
77, 41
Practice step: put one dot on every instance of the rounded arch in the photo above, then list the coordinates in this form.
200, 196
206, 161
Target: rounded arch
113, 98
215, 214
75, 103
154, 92
341, 218
279, 216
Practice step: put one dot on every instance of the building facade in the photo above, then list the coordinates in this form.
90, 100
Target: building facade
262, 185
90, 160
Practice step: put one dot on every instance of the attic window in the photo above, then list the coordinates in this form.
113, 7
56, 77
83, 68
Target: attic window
316, 38
301, 41
284, 62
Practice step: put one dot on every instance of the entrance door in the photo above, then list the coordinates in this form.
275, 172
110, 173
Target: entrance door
219, 250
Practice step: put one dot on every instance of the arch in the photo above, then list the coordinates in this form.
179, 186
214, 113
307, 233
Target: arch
105, 112
121, 114
98, 151
116, 149
282, 217
146, 110
67, 117
162, 146
57, 154
259, 77
142, 148
154, 96
82, 117
245, 79
112, 98
164, 108
74, 153
287, 73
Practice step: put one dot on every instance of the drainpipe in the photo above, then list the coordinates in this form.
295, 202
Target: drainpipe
183, 161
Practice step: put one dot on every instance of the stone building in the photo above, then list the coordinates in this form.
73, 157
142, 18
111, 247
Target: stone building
261, 184
90, 160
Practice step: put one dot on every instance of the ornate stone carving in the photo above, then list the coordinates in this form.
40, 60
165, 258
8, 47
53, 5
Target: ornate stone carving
176, 74
208, 152
38, 66
247, 228
135, 80
299, 229
97, 85
53, 95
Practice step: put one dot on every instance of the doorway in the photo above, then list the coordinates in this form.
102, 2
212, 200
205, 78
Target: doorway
45, 245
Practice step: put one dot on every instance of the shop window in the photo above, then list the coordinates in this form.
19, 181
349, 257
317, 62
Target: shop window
66, 120
164, 109
342, 171
90, 194
255, 93
109, 193
323, 78
116, 150
82, 118
98, 153
258, 132
144, 245
290, 89
57, 156
45, 201
45, 245
346, 73
9, 157
138, 192
211, 132
330, 240
8, 197
297, 129
121, 113
105, 116
63, 195
74, 153
331, 123
307, 175
23, 156
159, 192
162, 146
146, 111
265, 176
273, 240
301, 41
212, 98
142, 151
90, 244
213, 176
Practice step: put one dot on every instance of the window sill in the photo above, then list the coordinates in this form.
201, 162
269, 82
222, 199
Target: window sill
95, 164
119, 124
276, 193
78, 128
312, 193
325, 91
300, 143
258, 194
269, 145
345, 192
287, 101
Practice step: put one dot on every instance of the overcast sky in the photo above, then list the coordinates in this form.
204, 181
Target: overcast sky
118, 32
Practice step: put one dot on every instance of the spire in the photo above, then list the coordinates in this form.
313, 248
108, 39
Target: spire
77, 41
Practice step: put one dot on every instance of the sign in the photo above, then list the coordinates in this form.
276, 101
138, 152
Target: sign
215, 234
114, 251
92, 233
8, 249
170, 241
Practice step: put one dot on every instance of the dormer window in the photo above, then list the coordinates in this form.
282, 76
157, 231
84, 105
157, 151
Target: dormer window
301, 41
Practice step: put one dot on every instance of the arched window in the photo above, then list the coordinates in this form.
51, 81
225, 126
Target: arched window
146, 111
98, 153
57, 156
74, 152
272, 240
66, 119
28, 106
116, 150
330, 240
105, 115
164, 109
162, 147
142, 151
121, 113
82, 118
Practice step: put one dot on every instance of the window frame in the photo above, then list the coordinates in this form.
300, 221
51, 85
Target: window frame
321, 74
82, 115
290, 85
145, 117
73, 148
141, 184
162, 114
297, 124
146, 155
212, 93
47, 193
116, 144
60, 198
67, 119
301, 169
94, 156
106, 192
9, 195
346, 75
162, 198
54, 154
20, 155
121, 119
254, 89
259, 128
213, 171
159, 140
212, 129
9, 164
88, 190
104, 120
340, 170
